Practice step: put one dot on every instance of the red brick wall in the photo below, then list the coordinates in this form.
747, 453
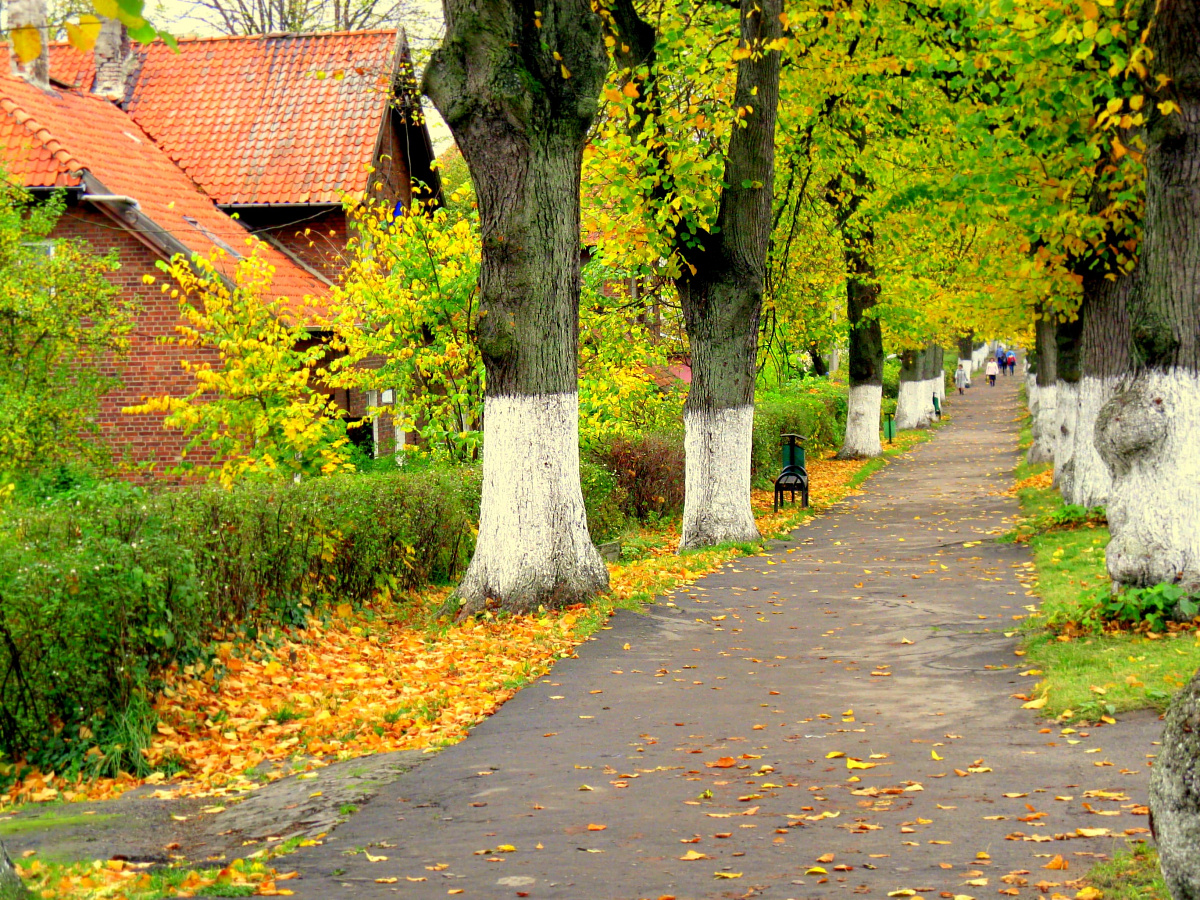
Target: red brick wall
151, 368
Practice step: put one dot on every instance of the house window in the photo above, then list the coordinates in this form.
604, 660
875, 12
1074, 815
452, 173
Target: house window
41, 248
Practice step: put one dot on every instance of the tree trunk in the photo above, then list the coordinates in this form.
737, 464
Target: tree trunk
966, 344
910, 403
519, 100
1175, 795
1149, 433
866, 349
936, 362
721, 291
819, 366
1066, 362
1045, 410
1103, 359
11, 885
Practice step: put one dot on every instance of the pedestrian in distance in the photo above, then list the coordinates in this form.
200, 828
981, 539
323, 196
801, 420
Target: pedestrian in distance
1011, 359
961, 379
1001, 361
993, 369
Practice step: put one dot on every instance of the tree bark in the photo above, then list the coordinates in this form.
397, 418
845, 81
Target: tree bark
936, 359
721, 291
1149, 432
11, 885
1044, 409
966, 345
1066, 356
1175, 795
865, 357
910, 403
519, 91
1103, 358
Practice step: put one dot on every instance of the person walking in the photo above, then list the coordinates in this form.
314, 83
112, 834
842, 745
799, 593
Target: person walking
992, 370
1011, 359
961, 379
1001, 361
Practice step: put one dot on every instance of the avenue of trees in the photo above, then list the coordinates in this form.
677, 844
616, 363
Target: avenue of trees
787, 182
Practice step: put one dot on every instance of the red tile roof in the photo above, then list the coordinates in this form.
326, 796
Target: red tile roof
67, 137
261, 119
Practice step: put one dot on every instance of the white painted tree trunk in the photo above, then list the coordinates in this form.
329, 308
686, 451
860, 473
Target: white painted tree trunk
1090, 480
533, 536
978, 357
1031, 392
928, 389
862, 422
716, 504
1064, 433
1149, 435
910, 406
1045, 424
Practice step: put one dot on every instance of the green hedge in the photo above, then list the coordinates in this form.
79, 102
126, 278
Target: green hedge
100, 589
812, 407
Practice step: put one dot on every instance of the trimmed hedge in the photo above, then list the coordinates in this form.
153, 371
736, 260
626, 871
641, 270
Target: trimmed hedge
99, 590
812, 407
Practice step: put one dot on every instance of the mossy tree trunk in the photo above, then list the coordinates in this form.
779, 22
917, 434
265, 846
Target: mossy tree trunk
11, 885
1149, 432
721, 291
518, 84
1044, 402
1066, 369
722, 279
845, 194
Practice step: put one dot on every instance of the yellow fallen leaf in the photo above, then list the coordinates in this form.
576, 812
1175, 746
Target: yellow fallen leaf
857, 764
371, 858
834, 754
727, 874
816, 870
1035, 704
934, 755
692, 855
388, 880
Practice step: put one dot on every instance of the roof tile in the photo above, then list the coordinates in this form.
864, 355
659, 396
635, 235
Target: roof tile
234, 112
50, 138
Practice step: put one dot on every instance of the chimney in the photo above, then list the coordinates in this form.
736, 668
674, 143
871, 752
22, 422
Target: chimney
29, 17
113, 60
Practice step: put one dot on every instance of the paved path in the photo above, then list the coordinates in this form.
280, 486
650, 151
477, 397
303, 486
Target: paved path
712, 728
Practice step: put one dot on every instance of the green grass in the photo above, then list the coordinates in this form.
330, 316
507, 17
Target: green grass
50, 820
1132, 875
1086, 675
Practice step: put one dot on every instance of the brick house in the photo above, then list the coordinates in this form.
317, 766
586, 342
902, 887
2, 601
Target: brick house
167, 153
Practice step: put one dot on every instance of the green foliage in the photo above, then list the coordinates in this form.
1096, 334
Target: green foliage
61, 322
101, 588
647, 473
1152, 606
260, 409
812, 407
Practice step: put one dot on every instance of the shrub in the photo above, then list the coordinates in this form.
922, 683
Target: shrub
604, 501
813, 407
648, 473
1152, 606
101, 588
